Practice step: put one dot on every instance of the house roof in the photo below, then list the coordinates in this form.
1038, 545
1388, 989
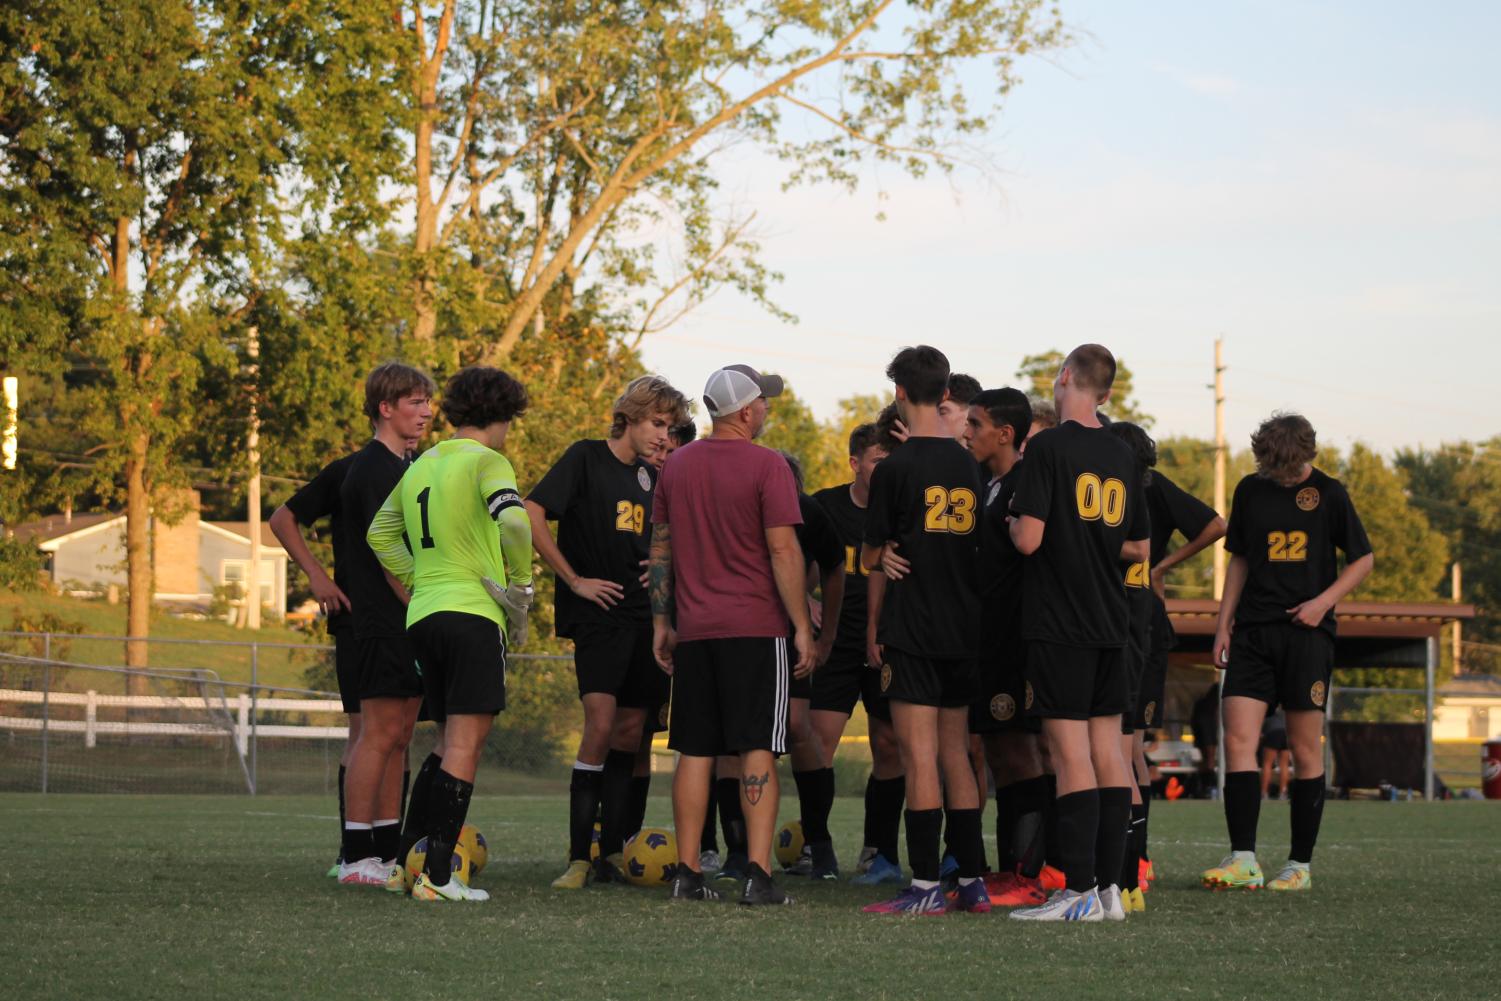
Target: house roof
1472, 685
54, 527
1405, 619
242, 529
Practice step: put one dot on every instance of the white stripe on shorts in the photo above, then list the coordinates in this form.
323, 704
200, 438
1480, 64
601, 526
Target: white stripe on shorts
779, 724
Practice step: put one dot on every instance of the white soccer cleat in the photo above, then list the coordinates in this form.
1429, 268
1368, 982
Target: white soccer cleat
453, 890
1064, 905
1111, 904
365, 872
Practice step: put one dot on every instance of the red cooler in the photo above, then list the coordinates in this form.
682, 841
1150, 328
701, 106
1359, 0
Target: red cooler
1490, 769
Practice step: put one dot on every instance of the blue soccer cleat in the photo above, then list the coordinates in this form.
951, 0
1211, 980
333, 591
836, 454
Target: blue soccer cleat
914, 901
882, 870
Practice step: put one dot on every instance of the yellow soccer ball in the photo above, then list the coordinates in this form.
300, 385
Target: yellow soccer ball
478, 848
788, 843
594, 843
651, 857
462, 866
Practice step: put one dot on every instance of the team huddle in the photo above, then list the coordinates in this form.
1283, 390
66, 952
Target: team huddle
988, 585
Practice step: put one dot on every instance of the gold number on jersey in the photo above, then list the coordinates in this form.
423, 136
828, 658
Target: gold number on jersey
1139, 575
630, 517
1097, 499
852, 562
1287, 547
951, 511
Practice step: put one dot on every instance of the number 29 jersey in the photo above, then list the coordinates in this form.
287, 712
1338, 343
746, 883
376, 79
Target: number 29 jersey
1082, 484
926, 496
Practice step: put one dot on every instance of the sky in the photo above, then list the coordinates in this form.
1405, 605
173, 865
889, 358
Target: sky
1319, 184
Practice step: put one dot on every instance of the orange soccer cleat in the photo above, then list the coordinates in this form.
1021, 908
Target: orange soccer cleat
1052, 878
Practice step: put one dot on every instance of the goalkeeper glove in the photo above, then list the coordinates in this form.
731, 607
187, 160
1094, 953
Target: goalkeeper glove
515, 601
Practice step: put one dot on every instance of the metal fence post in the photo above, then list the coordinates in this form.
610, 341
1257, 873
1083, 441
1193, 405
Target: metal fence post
1428, 682
46, 646
46, 714
255, 664
90, 718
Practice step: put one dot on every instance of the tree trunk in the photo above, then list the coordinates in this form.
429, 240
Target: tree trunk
424, 239
138, 559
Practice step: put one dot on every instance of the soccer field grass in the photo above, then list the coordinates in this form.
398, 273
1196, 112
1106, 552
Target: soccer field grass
197, 897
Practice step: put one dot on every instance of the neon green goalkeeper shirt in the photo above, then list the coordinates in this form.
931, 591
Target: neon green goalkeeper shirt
437, 532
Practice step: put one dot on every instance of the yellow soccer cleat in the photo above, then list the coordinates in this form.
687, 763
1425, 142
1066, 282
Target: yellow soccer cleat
1236, 871
1292, 877
575, 877
455, 889
1134, 901
396, 880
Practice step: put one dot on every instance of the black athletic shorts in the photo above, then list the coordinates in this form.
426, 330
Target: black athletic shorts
1154, 678
929, 681
347, 670
845, 680
1003, 691
619, 662
1075, 682
386, 668
1137, 652
1281, 664
730, 695
463, 660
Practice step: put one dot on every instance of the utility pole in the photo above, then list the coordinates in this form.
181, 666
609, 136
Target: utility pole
12, 389
1219, 461
252, 618
1458, 649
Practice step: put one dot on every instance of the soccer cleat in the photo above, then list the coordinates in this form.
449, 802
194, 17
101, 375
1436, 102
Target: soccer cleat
1292, 877
913, 900
948, 873
575, 877
1134, 901
365, 872
396, 879
972, 898
1052, 879
880, 871
333, 870
1112, 904
867, 856
455, 889
610, 868
1014, 890
1144, 874
1065, 905
1235, 873
760, 890
804, 864
734, 868
690, 885
709, 861
825, 862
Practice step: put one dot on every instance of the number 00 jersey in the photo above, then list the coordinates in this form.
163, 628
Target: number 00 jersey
1082, 483
1288, 536
603, 510
926, 496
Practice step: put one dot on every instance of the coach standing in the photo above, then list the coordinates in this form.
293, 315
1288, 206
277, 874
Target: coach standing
726, 574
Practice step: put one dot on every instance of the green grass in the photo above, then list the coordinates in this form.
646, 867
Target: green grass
152, 897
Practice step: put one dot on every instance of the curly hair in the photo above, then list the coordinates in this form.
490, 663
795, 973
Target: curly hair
1282, 445
886, 423
683, 433
479, 396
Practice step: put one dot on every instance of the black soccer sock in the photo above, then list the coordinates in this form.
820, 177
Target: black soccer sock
640, 790
1146, 814
815, 797
1114, 830
1078, 826
1131, 863
923, 828
386, 836
342, 770
450, 805
614, 801
966, 842
1242, 809
890, 795
583, 807
731, 816
1030, 799
358, 842
417, 815
1052, 845
1307, 797
709, 840
1005, 825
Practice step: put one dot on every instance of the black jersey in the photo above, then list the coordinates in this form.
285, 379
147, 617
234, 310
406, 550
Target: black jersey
603, 510
1173, 509
818, 536
849, 523
1288, 535
1001, 567
1083, 484
373, 473
320, 498
926, 496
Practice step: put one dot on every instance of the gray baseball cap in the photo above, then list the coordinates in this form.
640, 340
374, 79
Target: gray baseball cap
736, 386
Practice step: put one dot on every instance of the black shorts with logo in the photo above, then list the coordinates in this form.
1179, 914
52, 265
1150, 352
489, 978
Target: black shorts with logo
1072, 682
1154, 678
948, 683
619, 662
1137, 652
1000, 706
730, 695
1281, 664
385, 668
845, 680
463, 660
347, 670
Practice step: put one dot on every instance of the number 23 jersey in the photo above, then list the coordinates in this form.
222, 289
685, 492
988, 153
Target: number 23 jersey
926, 496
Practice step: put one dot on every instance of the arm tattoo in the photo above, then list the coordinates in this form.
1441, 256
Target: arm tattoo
754, 784
659, 570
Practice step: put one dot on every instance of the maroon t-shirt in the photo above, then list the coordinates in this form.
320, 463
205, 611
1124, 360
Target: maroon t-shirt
719, 496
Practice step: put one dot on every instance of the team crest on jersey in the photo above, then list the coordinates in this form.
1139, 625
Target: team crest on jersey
1029, 695
663, 714
1003, 707
885, 676
1318, 693
1149, 712
643, 478
1308, 498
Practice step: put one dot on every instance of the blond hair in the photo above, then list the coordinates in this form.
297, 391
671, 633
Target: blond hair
645, 396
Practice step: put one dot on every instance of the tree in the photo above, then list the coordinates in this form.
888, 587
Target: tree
551, 141
1411, 557
149, 152
1037, 373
